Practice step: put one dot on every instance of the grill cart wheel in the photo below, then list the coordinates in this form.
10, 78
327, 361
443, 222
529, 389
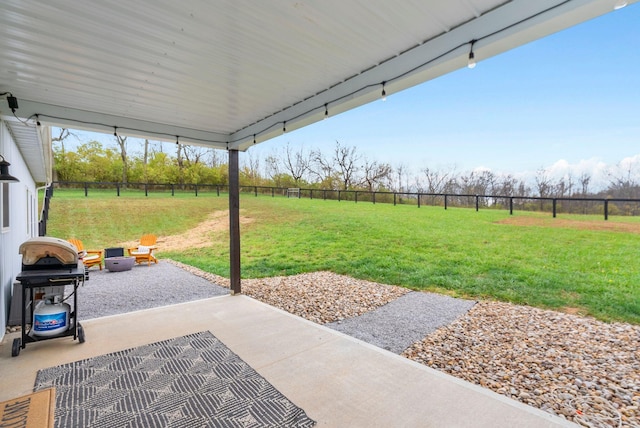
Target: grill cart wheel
15, 348
80, 334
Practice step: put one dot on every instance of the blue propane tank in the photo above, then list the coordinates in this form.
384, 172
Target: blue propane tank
50, 319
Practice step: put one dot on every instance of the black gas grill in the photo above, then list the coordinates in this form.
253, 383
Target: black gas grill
48, 263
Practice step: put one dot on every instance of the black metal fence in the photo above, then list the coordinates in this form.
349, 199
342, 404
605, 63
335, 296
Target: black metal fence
555, 205
44, 214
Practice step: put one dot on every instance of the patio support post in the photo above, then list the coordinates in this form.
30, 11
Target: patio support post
234, 222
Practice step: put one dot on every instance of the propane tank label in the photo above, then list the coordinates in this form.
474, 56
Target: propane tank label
50, 322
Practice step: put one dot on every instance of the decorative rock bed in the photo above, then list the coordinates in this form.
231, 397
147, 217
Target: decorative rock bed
582, 369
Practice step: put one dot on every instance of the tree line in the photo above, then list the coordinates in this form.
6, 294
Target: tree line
342, 168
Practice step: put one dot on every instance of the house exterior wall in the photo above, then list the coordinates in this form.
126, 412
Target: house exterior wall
18, 219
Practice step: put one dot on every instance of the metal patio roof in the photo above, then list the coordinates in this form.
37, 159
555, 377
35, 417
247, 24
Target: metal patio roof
231, 73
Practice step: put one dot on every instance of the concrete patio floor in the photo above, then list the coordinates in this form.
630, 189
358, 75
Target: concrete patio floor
339, 381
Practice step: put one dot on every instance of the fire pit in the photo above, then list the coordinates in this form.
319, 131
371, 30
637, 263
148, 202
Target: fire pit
119, 264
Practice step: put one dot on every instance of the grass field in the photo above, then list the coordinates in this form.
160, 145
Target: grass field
579, 264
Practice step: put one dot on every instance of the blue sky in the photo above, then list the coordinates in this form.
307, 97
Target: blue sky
568, 103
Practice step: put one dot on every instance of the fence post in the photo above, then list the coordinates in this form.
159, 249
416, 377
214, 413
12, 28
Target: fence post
311, 194
173, 189
477, 205
418, 200
117, 189
86, 189
554, 207
217, 189
606, 209
394, 199
356, 198
45, 212
195, 186
255, 191
374, 198
324, 195
272, 192
445, 201
338, 195
510, 206
146, 190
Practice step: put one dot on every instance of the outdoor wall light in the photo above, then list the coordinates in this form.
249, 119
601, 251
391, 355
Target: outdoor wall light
472, 57
5, 177
619, 4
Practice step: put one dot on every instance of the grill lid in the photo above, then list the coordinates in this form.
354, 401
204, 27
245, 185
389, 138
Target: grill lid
35, 249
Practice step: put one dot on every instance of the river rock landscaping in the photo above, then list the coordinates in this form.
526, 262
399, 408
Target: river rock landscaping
579, 368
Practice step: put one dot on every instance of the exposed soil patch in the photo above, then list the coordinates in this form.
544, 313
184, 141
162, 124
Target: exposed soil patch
198, 237
573, 224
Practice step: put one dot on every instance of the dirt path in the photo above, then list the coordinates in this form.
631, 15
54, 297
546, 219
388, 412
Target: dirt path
198, 237
573, 224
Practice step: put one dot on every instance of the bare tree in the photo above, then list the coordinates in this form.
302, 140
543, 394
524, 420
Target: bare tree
624, 179
346, 158
506, 186
217, 158
322, 168
180, 162
584, 181
122, 143
297, 164
375, 174
251, 166
63, 134
478, 182
401, 173
564, 186
194, 154
438, 182
145, 159
543, 183
272, 165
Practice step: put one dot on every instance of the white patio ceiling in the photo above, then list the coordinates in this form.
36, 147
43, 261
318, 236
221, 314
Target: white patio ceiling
226, 73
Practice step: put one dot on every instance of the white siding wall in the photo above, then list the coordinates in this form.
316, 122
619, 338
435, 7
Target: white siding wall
23, 220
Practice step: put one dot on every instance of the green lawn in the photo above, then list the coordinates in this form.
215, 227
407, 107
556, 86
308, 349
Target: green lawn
460, 252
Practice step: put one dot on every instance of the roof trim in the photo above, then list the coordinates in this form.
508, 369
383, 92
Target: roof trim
34, 145
100, 122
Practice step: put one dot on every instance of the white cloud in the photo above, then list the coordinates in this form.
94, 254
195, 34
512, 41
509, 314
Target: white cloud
630, 162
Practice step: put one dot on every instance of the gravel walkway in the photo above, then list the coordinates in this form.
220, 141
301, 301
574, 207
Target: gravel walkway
582, 369
142, 287
404, 321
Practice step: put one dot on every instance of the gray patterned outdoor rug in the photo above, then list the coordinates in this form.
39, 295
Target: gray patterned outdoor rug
188, 381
